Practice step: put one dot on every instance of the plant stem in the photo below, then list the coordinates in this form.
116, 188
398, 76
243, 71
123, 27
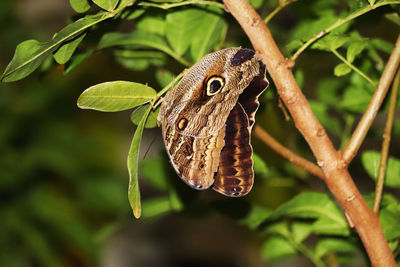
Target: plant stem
386, 143
345, 61
286, 153
166, 6
282, 4
339, 23
373, 107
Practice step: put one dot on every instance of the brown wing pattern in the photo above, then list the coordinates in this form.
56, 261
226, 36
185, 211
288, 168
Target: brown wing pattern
235, 173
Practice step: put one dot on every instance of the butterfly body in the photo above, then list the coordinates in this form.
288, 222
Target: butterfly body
207, 119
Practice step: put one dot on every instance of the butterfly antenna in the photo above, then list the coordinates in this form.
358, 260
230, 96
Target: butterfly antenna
148, 149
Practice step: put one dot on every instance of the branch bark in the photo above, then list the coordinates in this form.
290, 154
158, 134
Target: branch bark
286, 153
329, 159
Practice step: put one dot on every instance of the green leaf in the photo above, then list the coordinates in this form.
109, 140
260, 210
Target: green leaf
140, 60
371, 159
354, 49
329, 245
355, 99
341, 69
390, 223
108, 5
210, 30
30, 54
80, 6
181, 27
138, 113
330, 42
277, 248
256, 3
132, 14
64, 53
260, 167
115, 96
313, 205
382, 45
133, 165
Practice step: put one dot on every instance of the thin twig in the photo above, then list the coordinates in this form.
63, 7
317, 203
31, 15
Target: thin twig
386, 143
172, 5
373, 107
287, 153
337, 176
345, 61
282, 4
339, 23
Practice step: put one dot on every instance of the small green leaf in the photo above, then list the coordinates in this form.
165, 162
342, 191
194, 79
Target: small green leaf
341, 69
133, 165
277, 248
155, 170
371, 159
137, 114
390, 223
30, 54
80, 6
108, 5
354, 49
115, 96
371, 2
260, 167
382, 45
132, 14
256, 3
330, 42
64, 53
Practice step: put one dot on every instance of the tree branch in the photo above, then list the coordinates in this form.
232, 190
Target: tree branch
337, 178
286, 153
385, 143
377, 98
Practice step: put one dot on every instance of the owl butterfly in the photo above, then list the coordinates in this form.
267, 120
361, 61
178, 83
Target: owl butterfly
207, 119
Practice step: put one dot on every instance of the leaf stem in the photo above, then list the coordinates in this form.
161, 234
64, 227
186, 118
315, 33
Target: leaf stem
345, 61
281, 5
377, 98
166, 6
339, 23
386, 143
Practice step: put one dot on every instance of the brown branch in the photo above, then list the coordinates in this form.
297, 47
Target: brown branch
286, 153
377, 98
385, 143
337, 178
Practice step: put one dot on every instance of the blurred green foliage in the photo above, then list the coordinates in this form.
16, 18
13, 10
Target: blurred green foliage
63, 181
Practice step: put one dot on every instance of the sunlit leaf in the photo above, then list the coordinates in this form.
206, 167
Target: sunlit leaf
133, 165
115, 96
355, 99
341, 69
